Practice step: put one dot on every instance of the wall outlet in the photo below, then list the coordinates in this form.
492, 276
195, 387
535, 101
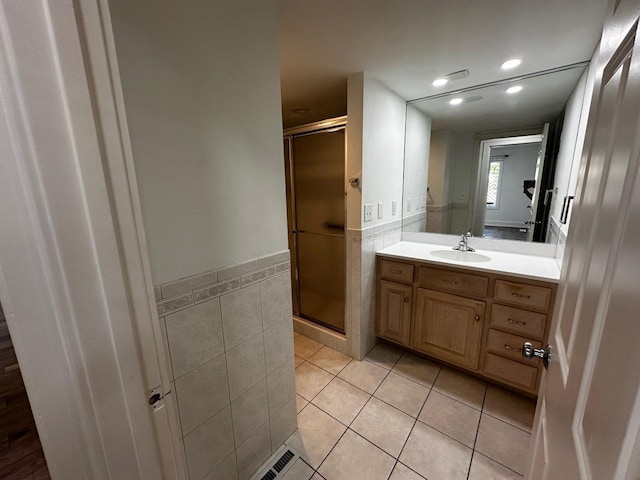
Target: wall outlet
394, 207
380, 210
368, 212
408, 205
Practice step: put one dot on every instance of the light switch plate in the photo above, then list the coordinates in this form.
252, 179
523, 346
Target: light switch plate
394, 207
424, 201
408, 204
368, 212
380, 210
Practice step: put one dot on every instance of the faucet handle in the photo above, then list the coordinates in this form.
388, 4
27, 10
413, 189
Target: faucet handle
469, 234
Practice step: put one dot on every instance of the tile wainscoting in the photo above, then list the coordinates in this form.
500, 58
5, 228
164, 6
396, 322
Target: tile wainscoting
229, 337
361, 290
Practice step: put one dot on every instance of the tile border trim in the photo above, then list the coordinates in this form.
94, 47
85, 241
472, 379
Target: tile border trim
199, 288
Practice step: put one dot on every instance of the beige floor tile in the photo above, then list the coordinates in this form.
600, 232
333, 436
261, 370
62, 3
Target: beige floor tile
402, 472
317, 434
330, 360
402, 393
364, 375
299, 360
341, 400
510, 407
300, 403
483, 468
503, 443
417, 369
436, 456
317, 476
462, 387
353, 458
305, 347
384, 355
385, 426
451, 417
310, 380
299, 471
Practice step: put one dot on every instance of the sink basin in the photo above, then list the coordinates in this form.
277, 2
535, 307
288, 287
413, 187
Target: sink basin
460, 256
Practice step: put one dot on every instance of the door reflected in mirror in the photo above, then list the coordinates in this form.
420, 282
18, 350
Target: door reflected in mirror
494, 164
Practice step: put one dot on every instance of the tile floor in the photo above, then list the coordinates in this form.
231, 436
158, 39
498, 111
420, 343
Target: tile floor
396, 416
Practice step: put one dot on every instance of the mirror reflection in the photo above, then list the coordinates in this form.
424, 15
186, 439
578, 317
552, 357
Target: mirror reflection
490, 160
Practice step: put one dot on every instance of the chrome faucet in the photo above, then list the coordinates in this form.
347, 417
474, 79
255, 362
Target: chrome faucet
463, 244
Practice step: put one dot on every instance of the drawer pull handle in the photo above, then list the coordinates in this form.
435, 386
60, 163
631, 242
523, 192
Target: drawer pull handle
398, 272
519, 295
515, 349
516, 322
477, 318
406, 299
448, 282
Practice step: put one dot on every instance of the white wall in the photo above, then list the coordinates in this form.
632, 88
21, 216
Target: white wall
462, 144
383, 121
416, 162
439, 159
203, 107
571, 143
512, 202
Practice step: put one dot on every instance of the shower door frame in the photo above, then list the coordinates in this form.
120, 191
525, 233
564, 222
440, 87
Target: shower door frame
288, 134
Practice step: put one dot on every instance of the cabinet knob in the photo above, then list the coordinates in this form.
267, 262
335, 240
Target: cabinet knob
477, 318
406, 299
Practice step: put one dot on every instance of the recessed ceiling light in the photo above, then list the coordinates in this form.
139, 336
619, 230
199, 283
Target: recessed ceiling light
515, 89
440, 82
509, 64
456, 101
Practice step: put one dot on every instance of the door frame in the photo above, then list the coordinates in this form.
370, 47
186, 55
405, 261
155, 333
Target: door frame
482, 174
74, 273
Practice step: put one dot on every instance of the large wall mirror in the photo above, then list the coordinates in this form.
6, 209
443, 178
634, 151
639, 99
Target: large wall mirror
498, 160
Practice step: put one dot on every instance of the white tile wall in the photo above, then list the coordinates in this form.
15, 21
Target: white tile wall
230, 341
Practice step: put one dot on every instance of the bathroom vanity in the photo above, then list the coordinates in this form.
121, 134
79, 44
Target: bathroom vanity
470, 310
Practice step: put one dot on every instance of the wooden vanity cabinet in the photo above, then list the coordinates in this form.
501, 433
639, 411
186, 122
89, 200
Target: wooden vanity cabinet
395, 312
448, 327
472, 320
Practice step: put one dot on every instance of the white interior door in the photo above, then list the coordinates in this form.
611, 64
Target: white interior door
536, 192
588, 413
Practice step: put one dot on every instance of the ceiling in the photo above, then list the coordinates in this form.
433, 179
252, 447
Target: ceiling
406, 44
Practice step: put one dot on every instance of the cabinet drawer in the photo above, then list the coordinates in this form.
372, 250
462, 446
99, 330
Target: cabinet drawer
522, 294
509, 345
400, 272
512, 372
523, 322
473, 285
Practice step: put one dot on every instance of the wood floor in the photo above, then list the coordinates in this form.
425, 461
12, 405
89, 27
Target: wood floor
21, 456
505, 233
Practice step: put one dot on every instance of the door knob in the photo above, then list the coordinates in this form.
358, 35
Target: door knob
544, 353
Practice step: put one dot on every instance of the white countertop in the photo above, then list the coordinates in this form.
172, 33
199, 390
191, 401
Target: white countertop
526, 266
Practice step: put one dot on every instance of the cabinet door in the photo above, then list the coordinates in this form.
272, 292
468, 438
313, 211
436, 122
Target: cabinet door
449, 327
394, 321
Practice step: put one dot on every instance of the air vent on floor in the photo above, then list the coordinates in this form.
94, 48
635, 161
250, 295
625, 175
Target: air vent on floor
277, 465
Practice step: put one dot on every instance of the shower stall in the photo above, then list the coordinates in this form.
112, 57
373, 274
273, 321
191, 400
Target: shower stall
315, 171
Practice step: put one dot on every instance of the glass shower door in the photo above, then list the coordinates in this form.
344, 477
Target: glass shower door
318, 177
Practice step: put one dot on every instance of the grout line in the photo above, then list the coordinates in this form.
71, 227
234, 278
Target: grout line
416, 421
475, 440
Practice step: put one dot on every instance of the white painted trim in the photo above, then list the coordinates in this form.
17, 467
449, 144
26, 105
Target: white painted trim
74, 278
482, 174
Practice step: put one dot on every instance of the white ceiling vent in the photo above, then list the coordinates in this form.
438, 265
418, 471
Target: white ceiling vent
475, 98
458, 75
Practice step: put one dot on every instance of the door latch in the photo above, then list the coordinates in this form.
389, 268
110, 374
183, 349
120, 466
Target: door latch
544, 353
